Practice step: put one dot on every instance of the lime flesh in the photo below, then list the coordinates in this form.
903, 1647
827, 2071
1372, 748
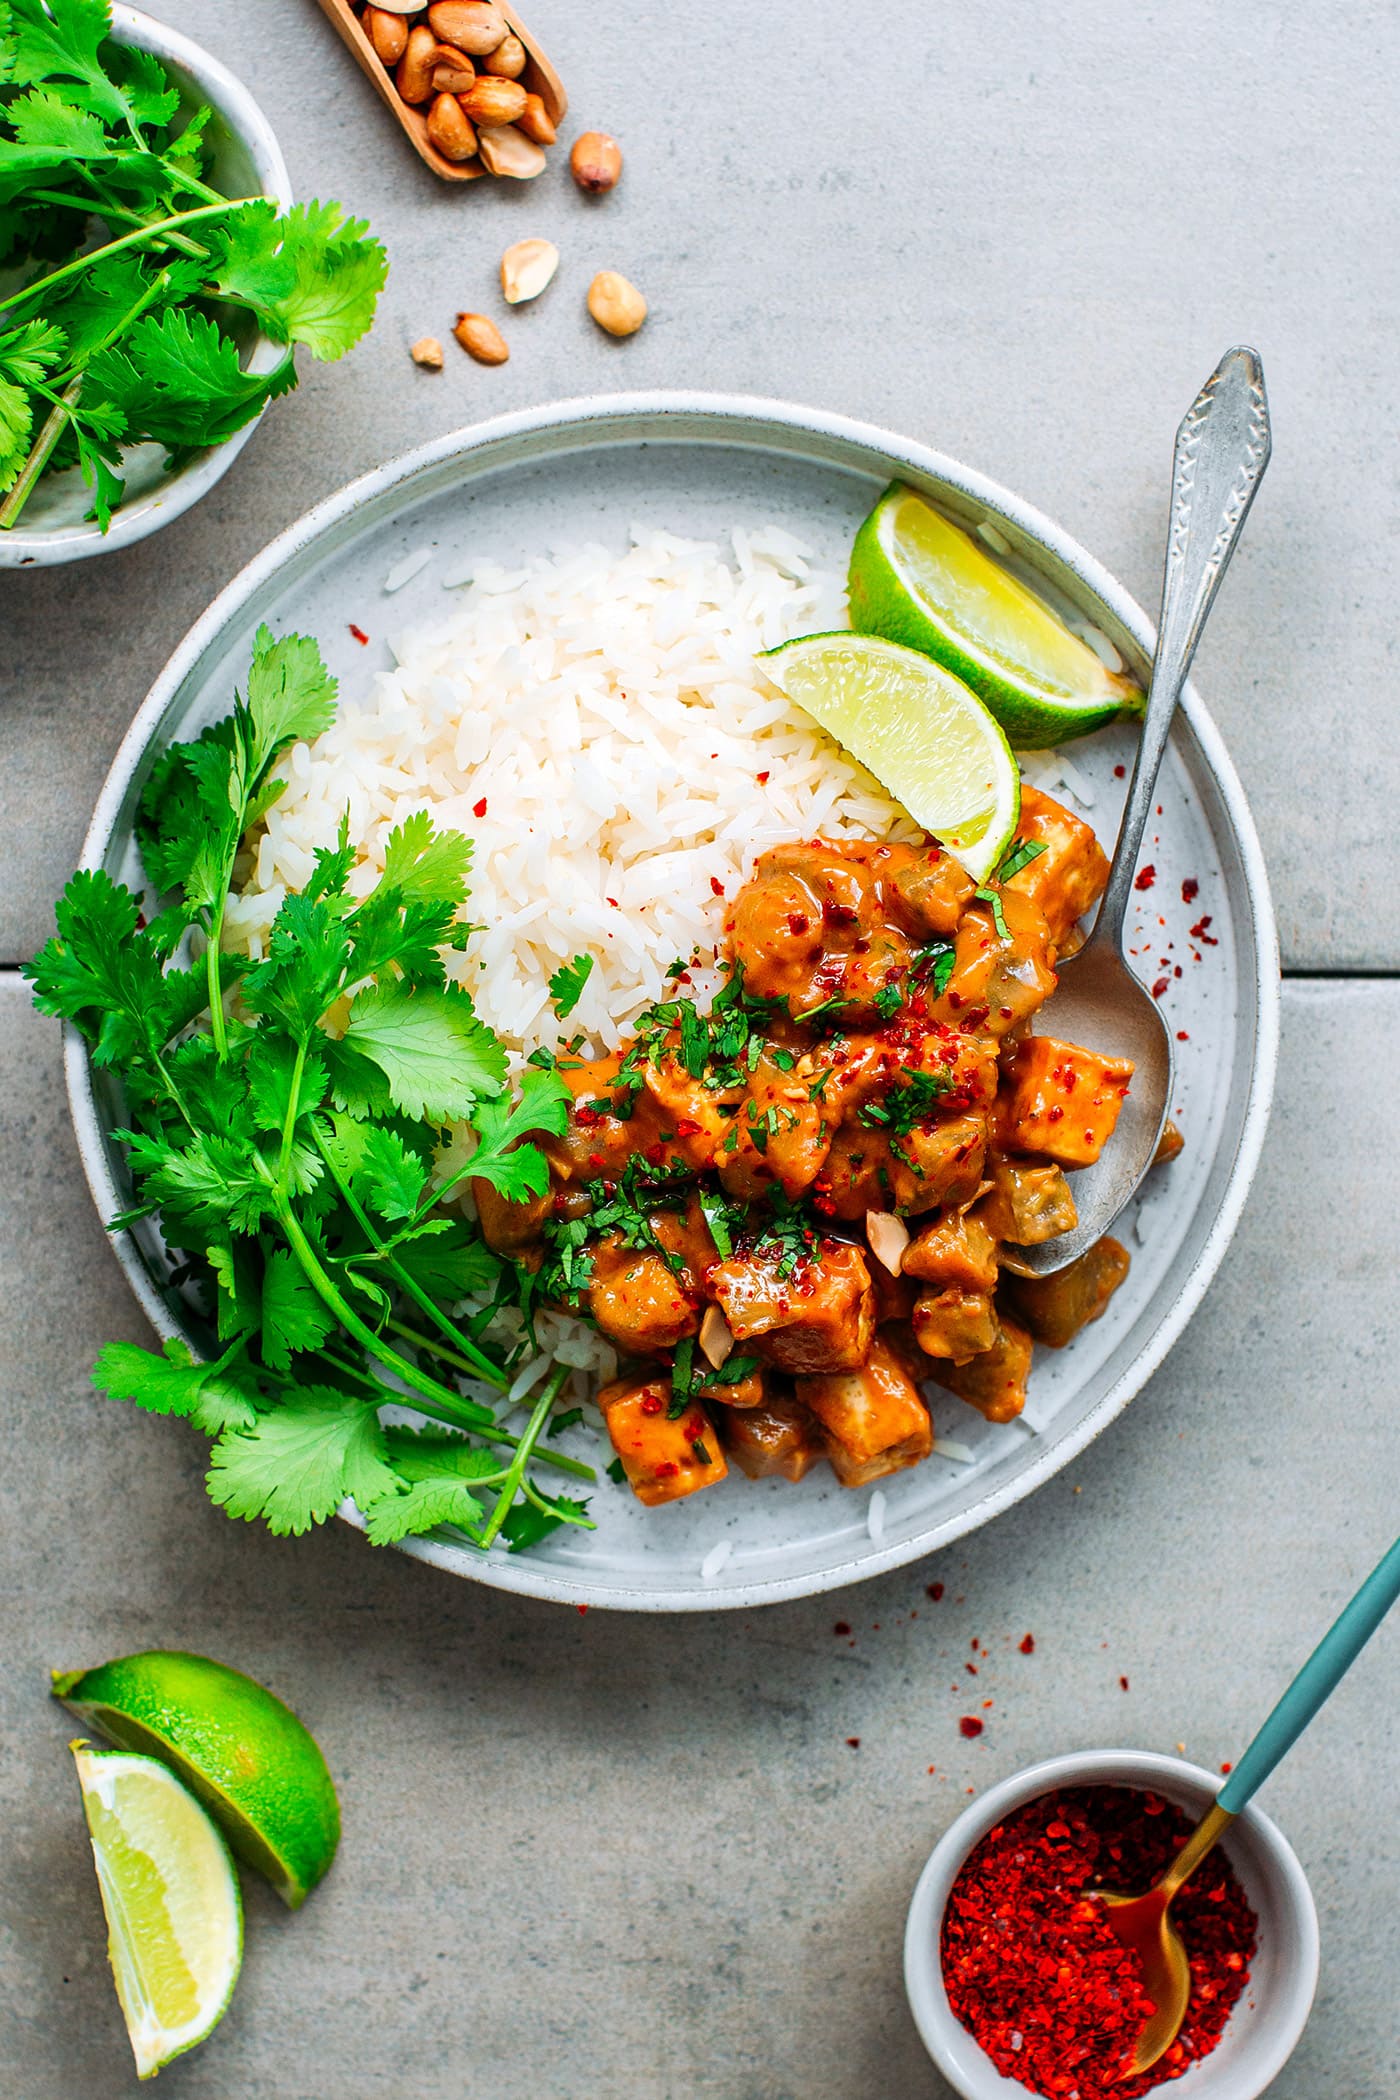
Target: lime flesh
254, 1765
927, 739
174, 1919
919, 579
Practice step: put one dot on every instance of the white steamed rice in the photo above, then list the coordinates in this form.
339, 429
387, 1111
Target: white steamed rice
608, 712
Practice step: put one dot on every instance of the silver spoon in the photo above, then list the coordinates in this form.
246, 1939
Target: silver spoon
1222, 449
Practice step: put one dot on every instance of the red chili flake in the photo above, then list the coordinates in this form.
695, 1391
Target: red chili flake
596, 1159
798, 922
840, 914
1190, 890
1227, 1766
1123, 1683
1028, 1644
685, 1127
1119, 772
934, 1590
656, 1155
971, 1669
974, 1644
1160, 986
853, 1742
358, 632
667, 1469
970, 1726
841, 1627
479, 808
1182, 1036
1032, 1970
586, 1116
762, 779
1198, 933
652, 1404
1145, 877
581, 1609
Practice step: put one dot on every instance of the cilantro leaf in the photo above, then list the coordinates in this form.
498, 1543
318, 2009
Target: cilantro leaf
1018, 855
179, 381
163, 1385
338, 274
447, 1259
435, 1454
514, 1168
425, 864
567, 983
295, 1465
438, 1058
291, 694
391, 1175
293, 1317
529, 1522
426, 1505
31, 350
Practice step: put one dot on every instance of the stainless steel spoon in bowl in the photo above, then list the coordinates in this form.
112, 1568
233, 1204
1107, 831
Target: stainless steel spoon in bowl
1222, 449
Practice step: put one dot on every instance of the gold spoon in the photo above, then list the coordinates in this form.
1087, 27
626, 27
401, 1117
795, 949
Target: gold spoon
539, 77
1142, 1924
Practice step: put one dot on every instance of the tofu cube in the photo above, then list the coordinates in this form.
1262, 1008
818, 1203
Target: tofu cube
663, 1459
874, 1419
1068, 878
819, 1317
1060, 1100
638, 1303
955, 1250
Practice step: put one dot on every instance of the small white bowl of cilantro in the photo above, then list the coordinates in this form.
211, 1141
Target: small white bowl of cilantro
155, 277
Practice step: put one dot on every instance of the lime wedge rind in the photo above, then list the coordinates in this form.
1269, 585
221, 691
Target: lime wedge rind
925, 737
919, 579
170, 1896
246, 1756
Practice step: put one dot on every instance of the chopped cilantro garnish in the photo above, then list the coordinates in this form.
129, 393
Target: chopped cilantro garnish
567, 983
1017, 856
993, 897
615, 1470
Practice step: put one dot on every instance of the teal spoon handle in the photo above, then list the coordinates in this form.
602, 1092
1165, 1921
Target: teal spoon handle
1315, 1683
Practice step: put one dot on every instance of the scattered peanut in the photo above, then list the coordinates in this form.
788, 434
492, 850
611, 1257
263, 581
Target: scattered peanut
452, 73
716, 1340
596, 162
474, 26
414, 78
449, 130
387, 32
506, 151
481, 338
427, 352
492, 101
888, 1236
536, 123
617, 306
526, 268
508, 58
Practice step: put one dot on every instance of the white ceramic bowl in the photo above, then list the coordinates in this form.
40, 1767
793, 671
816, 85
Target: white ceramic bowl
246, 161
1262, 2031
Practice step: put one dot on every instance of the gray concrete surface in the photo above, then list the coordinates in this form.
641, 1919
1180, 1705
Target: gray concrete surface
1021, 234
636, 1858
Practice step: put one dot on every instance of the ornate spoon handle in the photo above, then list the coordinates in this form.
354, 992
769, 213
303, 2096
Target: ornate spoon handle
1222, 449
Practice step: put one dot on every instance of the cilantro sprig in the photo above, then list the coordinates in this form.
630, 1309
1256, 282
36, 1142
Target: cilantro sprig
285, 1119
130, 263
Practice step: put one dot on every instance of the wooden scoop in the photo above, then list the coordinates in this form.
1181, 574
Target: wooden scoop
539, 77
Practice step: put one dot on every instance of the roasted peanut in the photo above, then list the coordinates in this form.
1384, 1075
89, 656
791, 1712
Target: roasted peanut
414, 78
401, 7
481, 338
427, 352
453, 72
492, 101
596, 162
506, 151
526, 269
449, 130
508, 58
536, 123
617, 306
473, 26
387, 32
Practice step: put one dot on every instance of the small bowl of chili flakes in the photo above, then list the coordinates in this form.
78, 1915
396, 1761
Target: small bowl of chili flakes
1015, 1982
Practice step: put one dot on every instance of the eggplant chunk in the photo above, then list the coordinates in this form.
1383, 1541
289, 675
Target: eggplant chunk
1029, 1201
994, 1382
1055, 1308
778, 1440
873, 1419
663, 1459
955, 1323
819, 1318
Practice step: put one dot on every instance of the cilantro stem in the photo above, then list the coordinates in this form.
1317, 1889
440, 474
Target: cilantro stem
436, 1348
38, 459
472, 1360
388, 1397
134, 239
369, 1341
218, 1025
550, 1392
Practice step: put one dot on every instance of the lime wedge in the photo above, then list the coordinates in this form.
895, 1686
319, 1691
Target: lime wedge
253, 1764
174, 1920
917, 578
924, 736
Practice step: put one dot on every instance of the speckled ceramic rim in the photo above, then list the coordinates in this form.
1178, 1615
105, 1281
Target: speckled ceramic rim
1271, 1863
47, 546
813, 437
